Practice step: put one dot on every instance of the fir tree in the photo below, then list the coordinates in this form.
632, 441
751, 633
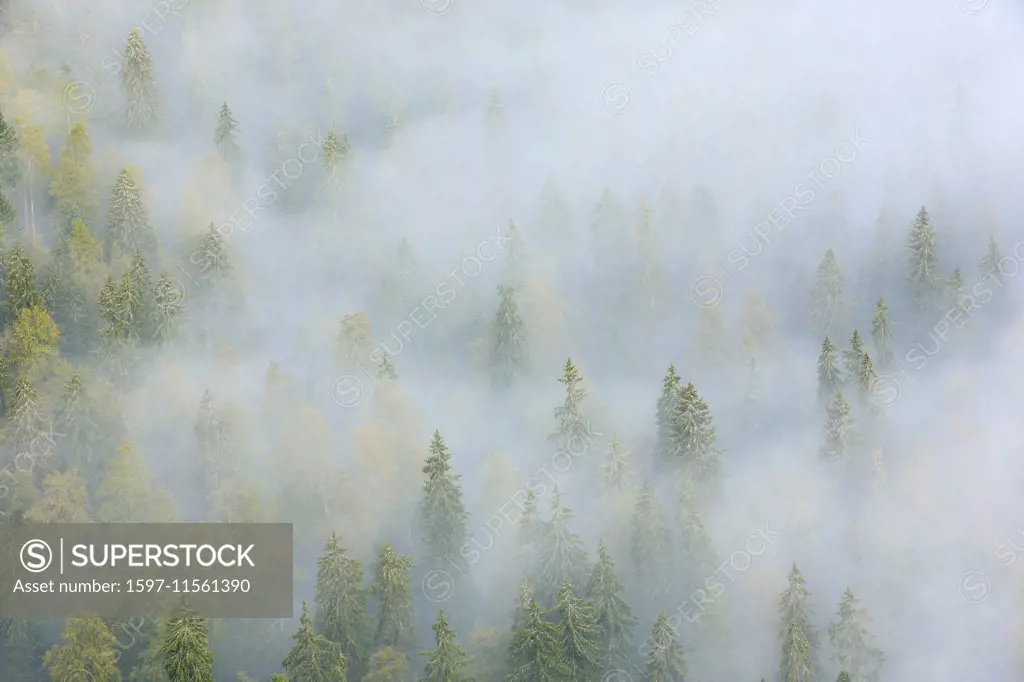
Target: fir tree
7, 213
388, 665
829, 379
72, 187
827, 302
866, 377
616, 469
562, 556
852, 357
924, 260
956, 288
666, 661
670, 389
580, 636
614, 617
508, 341
185, 650
394, 598
128, 225
839, 432
10, 160
799, 639
692, 442
443, 514
168, 305
87, 651
341, 612
881, 332
536, 653
447, 661
991, 263
19, 283
224, 136
139, 82
525, 595
649, 537
797, 656
212, 257
853, 644
694, 539
572, 434
313, 657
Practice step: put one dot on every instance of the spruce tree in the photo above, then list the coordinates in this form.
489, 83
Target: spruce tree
313, 657
19, 283
671, 387
578, 629
536, 653
508, 341
614, 617
224, 136
393, 593
843, 677
865, 381
447, 661
139, 83
10, 160
572, 435
443, 514
649, 538
388, 665
525, 595
695, 542
829, 379
956, 288
853, 645
72, 186
881, 332
991, 263
852, 357
168, 306
839, 432
797, 656
128, 225
827, 296
666, 661
562, 556
87, 651
798, 637
185, 650
616, 469
924, 260
341, 612
212, 257
692, 441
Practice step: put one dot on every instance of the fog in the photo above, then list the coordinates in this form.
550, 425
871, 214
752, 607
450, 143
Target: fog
759, 136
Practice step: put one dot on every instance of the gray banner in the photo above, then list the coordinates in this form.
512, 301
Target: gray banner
148, 570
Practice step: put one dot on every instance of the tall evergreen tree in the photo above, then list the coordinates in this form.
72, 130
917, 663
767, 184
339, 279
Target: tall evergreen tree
853, 645
692, 442
186, 652
881, 332
852, 357
72, 187
447, 661
865, 382
443, 514
168, 306
616, 469
614, 617
827, 296
525, 595
226, 133
138, 80
392, 590
666, 661
924, 260
671, 387
10, 149
991, 263
20, 288
508, 341
830, 381
562, 556
572, 435
536, 653
128, 225
313, 657
87, 650
341, 612
649, 538
799, 639
212, 258
580, 635
839, 432
388, 665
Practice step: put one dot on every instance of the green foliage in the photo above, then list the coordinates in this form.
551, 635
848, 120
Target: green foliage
313, 657
580, 634
562, 557
925, 281
537, 653
87, 650
392, 590
692, 439
341, 611
666, 661
508, 341
447, 661
185, 650
138, 80
443, 515
828, 305
612, 614
830, 381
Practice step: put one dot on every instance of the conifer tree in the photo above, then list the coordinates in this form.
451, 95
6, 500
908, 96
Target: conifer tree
829, 379
852, 357
8, 215
28, 429
580, 635
924, 260
335, 152
313, 657
128, 225
143, 300
573, 433
72, 187
138, 80
843, 676
443, 514
64, 499
649, 538
508, 341
614, 617
388, 665
827, 296
10, 149
19, 283
616, 470
168, 304
671, 387
212, 258
185, 650
692, 442
87, 650
525, 595
694, 539
562, 556
224, 136
127, 493
839, 432
536, 653
865, 381
392, 590
956, 288
447, 661
881, 332
853, 645
797, 656
666, 661
991, 263
799, 639
341, 612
